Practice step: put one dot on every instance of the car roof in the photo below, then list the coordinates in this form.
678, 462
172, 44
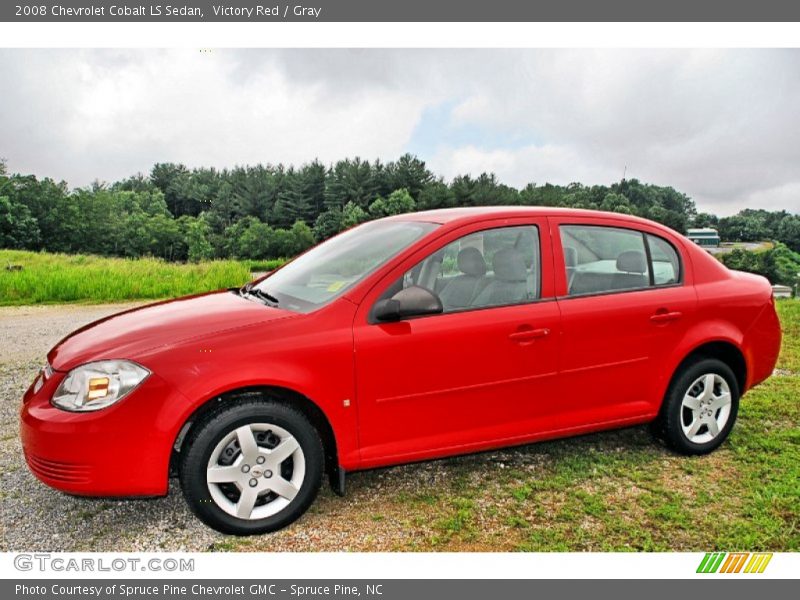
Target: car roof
477, 213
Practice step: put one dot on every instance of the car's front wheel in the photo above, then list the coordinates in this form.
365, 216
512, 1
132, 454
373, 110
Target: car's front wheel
252, 467
700, 407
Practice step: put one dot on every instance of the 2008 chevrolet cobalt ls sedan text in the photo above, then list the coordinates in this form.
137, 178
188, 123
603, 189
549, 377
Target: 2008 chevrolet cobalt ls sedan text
408, 338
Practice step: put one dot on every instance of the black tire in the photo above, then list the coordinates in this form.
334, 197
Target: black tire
668, 426
215, 427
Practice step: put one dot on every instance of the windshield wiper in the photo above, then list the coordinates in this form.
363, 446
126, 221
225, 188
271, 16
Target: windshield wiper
260, 294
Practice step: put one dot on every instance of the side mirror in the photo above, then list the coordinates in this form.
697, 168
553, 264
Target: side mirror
410, 302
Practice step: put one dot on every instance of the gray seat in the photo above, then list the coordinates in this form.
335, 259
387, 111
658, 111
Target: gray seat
460, 291
510, 283
570, 257
528, 245
570, 262
587, 282
631, 267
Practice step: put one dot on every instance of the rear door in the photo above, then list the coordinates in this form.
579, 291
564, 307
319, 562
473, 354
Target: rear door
478, 374
625, 301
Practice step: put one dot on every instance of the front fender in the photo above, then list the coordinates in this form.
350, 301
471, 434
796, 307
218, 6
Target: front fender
311, 356
342, 418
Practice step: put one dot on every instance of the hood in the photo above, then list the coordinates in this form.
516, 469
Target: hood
130, 333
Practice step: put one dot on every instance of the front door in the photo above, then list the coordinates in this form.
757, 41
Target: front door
481, 373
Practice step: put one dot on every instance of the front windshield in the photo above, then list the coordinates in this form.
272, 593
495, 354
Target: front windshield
328, 270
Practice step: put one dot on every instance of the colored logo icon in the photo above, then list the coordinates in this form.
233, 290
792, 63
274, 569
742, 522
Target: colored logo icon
734, 562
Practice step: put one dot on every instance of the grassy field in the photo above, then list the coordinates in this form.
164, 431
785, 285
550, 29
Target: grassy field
614, 491
60, 278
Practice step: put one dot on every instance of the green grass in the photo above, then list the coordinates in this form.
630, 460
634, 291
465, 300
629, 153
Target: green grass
619, 491
60, 278
260, 266
789, 311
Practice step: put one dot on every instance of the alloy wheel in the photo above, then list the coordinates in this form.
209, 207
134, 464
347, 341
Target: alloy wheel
706, 408
255, 471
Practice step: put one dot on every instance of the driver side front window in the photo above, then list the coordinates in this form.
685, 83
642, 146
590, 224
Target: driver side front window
494, 267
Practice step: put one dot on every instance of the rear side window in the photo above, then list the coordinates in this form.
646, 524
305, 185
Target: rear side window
604, 259
666, 264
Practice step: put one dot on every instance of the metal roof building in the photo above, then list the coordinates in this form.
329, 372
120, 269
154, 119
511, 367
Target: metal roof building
704, 236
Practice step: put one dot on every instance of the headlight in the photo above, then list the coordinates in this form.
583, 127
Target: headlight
99, 384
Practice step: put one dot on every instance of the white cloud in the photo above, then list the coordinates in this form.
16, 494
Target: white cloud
518, 167
81, 115
720, 125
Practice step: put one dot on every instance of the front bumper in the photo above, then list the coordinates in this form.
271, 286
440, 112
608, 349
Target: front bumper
122, 450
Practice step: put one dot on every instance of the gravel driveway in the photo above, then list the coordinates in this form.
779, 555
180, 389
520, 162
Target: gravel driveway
35, 517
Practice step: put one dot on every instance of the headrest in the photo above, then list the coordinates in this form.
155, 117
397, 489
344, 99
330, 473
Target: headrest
470, 262
509, 265
526, 244
632, 261
570, 256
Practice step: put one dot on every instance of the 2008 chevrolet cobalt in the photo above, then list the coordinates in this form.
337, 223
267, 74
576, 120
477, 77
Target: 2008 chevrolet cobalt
408, 338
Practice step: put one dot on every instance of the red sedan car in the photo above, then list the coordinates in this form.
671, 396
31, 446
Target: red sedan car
408, 338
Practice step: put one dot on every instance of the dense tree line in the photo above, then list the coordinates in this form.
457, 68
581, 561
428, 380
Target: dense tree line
269, 211
778, 264
751, 225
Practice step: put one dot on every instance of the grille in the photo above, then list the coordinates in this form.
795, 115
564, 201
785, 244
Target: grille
58, 471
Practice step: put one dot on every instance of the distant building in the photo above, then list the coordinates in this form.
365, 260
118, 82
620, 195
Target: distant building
704, 237
781, 291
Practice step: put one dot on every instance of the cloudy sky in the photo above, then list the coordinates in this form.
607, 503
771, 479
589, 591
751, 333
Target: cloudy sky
720, 125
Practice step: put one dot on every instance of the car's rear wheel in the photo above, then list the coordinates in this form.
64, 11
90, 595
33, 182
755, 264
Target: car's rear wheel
700, 407
252, 467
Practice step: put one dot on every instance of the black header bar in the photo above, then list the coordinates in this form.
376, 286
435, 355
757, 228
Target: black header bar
401, 11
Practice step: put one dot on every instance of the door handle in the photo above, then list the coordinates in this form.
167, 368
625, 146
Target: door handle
529, 335
665, 316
